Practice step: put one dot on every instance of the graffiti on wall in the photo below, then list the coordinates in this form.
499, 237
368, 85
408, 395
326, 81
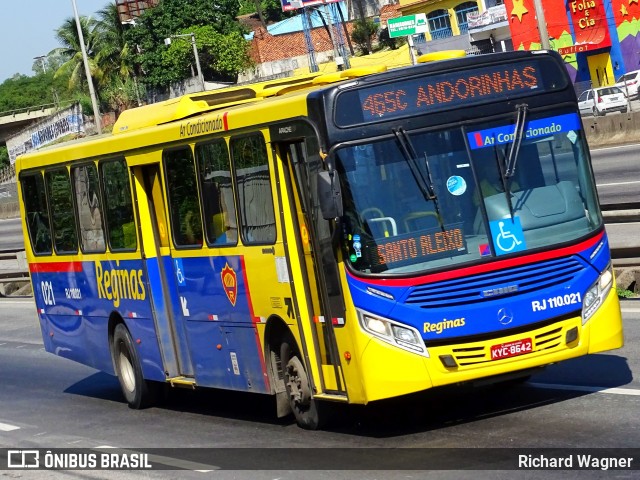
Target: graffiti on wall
52, 128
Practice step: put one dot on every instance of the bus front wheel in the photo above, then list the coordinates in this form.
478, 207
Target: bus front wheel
138, 392
305, 408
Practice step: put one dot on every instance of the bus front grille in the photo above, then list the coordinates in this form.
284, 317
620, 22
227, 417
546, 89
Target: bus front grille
549, 338
498, 284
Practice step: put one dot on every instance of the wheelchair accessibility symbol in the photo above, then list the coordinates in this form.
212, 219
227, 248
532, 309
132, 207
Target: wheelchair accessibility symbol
179, 269
507, 235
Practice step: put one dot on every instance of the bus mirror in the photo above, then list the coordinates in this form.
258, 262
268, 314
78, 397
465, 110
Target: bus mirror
330, 195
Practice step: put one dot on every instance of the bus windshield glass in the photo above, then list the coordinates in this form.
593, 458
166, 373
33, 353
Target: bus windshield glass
425, 200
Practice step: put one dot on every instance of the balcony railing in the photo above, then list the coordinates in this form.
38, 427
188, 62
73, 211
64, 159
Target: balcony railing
441, 33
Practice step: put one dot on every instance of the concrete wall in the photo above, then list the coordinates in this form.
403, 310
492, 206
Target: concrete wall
52, 128
612, 129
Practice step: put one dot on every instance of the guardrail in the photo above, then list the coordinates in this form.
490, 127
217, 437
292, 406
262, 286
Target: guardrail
18, 276
622, 256
623, 225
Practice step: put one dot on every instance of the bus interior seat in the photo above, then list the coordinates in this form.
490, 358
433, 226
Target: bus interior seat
556, 207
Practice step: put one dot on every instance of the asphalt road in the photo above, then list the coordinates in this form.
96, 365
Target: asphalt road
617, 172
47, 401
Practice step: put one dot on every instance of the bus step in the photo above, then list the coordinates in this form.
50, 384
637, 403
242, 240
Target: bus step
183, 382
331, 397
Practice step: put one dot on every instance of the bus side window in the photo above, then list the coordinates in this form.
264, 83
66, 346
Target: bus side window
221, 225
87, 189
255, 202
65, 237
35, 206
182, 190
121, 229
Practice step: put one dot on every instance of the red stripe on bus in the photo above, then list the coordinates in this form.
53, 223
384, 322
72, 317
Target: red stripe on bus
488, 267
55, 267
224, 120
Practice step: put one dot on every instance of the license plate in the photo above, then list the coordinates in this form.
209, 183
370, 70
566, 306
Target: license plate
511, 349
614, 99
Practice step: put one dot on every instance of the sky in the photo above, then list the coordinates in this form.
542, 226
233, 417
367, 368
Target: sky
27, 30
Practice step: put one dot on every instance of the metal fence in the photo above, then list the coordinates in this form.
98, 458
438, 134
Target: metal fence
8, 174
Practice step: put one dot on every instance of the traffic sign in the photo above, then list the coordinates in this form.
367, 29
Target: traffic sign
407, 25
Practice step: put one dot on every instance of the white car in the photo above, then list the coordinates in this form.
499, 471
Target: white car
629, 83
603, 100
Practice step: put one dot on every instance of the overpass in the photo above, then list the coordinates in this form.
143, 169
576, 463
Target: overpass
13, 121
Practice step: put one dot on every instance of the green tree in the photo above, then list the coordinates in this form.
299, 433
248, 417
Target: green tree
364, 31
268, 11
386, 40
21, 92
173, 17
73, 67
272, 10
118, 88
4, 157
222, 57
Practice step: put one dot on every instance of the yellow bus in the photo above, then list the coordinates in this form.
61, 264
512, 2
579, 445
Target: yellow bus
333, 238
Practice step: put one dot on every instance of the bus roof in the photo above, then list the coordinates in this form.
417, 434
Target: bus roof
241, 106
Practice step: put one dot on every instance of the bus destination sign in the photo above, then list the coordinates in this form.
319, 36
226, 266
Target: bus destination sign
442, 91
409, 248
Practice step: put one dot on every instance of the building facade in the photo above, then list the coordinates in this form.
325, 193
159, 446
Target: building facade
476, 26
598, 39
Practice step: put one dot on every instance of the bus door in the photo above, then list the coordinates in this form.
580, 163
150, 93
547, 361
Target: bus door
156, 251
311, 248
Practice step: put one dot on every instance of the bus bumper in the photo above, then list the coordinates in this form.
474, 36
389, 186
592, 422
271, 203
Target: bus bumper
388, 371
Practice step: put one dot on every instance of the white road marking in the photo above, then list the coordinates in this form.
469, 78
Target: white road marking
585, 388
5, 427
601, 149
28, 301
615, 184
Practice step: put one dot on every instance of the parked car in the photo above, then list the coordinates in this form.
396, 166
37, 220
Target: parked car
629, 83
603, 100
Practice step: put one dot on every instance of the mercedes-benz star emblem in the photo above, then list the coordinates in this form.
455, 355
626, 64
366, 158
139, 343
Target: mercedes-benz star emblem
505, 316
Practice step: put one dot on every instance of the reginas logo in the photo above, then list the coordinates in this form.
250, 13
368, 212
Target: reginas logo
116, 284
230, 283
445, 324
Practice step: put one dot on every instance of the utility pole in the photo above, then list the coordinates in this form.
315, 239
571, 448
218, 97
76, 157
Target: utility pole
87, 70
542, 25
42, 62
167, 42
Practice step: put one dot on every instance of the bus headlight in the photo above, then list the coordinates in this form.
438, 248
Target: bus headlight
596, 294
402, 336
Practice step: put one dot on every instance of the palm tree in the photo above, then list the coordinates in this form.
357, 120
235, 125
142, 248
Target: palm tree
73, 67
114, 56
119, 87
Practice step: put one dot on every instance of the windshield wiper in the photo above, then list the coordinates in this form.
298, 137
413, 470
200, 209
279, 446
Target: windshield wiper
424, 184
410, 154
505, 181
507, 171
521, 119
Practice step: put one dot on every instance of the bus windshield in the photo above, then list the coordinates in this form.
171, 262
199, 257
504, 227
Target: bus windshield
461, 206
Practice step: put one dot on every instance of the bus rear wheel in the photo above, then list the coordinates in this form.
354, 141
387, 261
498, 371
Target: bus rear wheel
305, 409
138, 392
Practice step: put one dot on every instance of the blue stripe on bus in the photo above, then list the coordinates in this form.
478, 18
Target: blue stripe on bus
534, 129
434, 311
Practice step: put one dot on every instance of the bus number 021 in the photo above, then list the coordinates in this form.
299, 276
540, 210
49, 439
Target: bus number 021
47, 293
